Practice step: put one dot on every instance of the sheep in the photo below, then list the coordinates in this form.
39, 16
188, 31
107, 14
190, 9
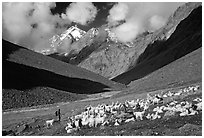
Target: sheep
69, 126
78, 123
184, 113
106, 122
139, 115
137, 107
116, 123
159, 97
196, 88
130, 119
131, 103
50, 122
148, 116
146, 106
185, 90
99, 119
170, 94
165, 95
173, 103
70, 130
197, 99
199, 106
91, 121
158, 109
188, 105
178, 93
193, 112
155, 116
156, 100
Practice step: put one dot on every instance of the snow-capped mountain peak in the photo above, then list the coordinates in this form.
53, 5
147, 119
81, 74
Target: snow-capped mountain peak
73, 33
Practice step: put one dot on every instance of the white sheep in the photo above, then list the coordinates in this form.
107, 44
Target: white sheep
188, 105
148, 116
196, 88
130, 119
165, 95
178, 93
146, 106
156, 100
69, 126
197, 99
158, 109
131, 103
116, 123
155, 116
85, 120
70, 130
99, 119
199, 106
184, 113
139, 115
77, 123
91, 121
50, 122
173, 103
170, 94
193, 112
106, 122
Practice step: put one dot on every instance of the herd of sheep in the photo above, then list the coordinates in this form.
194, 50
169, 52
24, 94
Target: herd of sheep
135, 110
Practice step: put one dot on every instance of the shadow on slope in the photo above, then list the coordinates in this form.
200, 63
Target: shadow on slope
24, 69
31, 79
21, 77
186, 38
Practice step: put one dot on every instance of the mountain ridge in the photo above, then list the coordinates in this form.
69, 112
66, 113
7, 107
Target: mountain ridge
111, 58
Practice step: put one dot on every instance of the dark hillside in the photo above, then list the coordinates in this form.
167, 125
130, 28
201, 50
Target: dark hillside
14, 55
184, 71
27, 75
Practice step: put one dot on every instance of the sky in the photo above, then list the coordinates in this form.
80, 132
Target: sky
103, 11
32, 24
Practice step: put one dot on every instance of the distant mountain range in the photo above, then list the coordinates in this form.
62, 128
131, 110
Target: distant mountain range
99, 51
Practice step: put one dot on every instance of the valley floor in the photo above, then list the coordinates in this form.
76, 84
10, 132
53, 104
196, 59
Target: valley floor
32, 121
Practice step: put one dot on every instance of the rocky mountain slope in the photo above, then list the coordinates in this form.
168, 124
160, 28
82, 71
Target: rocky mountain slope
104, 55
186, 38
26, 74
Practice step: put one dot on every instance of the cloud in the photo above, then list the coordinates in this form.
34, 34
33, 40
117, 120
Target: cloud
31, 24
118, 12
80, 12
156, 22
126, 31
139, 17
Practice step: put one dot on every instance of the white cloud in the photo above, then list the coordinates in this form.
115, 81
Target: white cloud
118, 12
156, 22
126, 31
30, 24
81, 12
139, 17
